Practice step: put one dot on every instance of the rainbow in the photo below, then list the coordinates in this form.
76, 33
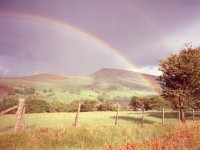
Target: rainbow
82, 35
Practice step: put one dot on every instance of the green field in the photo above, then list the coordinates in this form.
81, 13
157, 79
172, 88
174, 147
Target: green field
90, 119
96, 130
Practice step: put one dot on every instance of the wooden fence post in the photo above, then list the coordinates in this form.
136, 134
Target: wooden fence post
179, 115
163, 116
193, 114
143, 117
116, 118
20, 115
76, 118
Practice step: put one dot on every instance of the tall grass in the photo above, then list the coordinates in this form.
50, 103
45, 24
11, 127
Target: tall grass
91, 138
96, 130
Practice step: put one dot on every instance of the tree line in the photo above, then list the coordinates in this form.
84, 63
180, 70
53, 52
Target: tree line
41, 106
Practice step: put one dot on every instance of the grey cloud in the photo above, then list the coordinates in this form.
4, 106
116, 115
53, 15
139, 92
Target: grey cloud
137, 29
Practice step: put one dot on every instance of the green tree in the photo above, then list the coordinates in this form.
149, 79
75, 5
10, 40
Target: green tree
58, 106
135, 103
105, 106
7, 102
73, 106
156, 103
115, 107
180, 79
37, 106
88, 105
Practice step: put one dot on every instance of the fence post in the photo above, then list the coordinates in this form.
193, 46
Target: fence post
143, 117
23, 118
193, 114
179, 115
76, 118
20, 115
163, 116
116, 118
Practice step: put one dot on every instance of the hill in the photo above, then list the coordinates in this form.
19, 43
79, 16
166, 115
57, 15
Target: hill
109, 83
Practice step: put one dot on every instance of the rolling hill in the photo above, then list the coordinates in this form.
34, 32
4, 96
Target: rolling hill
110, 82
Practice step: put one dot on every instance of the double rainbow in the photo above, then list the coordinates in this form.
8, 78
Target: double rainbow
81, 35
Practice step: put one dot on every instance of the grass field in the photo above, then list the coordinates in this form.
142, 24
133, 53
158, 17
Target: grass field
92, 119
96, 130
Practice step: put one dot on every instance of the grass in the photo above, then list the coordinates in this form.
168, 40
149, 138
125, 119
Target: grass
93, 119
90, 138
96, 130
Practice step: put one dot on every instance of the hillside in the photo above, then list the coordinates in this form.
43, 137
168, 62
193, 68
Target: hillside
123, 79
110, 83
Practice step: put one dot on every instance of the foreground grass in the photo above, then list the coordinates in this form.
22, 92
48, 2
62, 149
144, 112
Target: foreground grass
89, 138
96, 130
182, 137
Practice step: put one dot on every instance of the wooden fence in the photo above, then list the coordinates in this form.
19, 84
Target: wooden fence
20, 114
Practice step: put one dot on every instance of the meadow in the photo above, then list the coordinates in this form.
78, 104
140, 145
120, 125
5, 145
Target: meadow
96, 130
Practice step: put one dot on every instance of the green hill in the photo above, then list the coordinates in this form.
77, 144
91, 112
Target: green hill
110, 83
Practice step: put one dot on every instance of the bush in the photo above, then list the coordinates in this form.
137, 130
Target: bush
115, 107
57, 106
29, 91
105, 106
73, 106
37, 106
7, 102
135, 103
149, 103
88, 105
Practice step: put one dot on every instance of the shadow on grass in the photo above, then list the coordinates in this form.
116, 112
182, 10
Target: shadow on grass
173, 115
133, 119
168, 115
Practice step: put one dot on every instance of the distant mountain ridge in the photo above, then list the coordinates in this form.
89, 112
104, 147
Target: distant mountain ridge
109, 72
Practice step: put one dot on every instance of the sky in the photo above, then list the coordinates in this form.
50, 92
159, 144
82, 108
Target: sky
79, 37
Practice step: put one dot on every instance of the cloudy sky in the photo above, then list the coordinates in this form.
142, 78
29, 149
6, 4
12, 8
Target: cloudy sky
78, 37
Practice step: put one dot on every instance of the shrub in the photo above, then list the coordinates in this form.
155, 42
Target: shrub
7, 102
105, 106
115, 107
37, 106
57, 106
73, 106
88, 105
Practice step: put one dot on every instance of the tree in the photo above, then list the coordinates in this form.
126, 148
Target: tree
156, 103
115, 107
8, 102
105, 106
148, 103
73, 106
58, 106
135, 103
37, 106
180, 79
88, 105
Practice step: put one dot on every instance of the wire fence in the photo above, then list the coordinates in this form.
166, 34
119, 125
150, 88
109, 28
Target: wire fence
93, 119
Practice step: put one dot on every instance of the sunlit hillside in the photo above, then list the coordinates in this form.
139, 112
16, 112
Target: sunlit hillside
109, 83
